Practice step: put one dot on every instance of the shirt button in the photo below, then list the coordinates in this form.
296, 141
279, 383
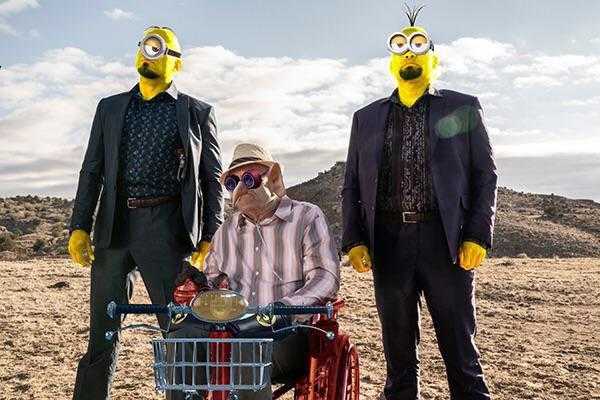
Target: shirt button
256, 248
253, 293
257, 273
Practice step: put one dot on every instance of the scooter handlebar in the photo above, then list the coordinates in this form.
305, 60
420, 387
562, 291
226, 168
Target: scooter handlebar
303, 310
114, 310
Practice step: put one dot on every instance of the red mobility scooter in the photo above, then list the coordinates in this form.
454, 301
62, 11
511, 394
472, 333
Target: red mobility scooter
224, 369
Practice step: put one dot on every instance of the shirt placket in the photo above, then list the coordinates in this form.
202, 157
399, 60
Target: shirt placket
257, 264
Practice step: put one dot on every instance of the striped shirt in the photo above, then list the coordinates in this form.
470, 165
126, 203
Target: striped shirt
290, 257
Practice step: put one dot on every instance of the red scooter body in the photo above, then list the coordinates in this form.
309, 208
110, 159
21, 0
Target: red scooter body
219, 353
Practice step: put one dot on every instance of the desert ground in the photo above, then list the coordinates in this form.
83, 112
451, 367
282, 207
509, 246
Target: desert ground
539, 332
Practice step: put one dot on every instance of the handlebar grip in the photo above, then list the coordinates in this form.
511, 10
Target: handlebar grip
303, 310
113, 309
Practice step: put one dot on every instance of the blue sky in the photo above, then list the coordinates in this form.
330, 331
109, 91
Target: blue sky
289, 74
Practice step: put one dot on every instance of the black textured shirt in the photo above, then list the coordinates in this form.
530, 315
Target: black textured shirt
405, 182
150, 147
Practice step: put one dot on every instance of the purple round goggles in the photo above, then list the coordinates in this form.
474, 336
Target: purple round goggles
250, 179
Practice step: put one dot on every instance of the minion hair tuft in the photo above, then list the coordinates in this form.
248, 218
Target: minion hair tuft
412, 13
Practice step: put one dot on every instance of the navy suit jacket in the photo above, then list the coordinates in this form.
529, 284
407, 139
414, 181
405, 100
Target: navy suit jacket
462, 167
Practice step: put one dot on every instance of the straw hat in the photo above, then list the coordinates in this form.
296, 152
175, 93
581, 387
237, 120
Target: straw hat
248, 153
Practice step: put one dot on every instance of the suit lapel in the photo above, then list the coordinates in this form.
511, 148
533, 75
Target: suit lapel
118, 119
435, 110
379, 128
183, 120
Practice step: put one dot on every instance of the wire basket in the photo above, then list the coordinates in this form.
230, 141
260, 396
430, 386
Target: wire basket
194, 365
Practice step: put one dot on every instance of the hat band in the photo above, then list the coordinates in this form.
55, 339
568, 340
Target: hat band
242, 160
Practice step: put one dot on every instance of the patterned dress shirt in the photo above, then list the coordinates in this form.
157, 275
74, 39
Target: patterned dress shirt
290, 257
405, 182
149, 156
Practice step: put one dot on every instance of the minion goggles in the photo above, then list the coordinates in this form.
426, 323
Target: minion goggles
417, 42
153, 47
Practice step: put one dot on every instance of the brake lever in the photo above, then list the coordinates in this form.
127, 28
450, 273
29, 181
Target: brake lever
329, 335
145, 327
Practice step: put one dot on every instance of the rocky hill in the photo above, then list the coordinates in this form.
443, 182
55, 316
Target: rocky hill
535, 225
527, 224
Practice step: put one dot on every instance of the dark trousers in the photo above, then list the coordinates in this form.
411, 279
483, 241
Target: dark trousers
410, 260
155, 240
289, 361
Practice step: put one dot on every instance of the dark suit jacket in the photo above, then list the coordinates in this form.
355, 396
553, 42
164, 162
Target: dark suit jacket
201, 191
462, 165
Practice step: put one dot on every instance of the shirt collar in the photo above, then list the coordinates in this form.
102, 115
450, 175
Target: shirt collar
283, 212
432, 91
171, 90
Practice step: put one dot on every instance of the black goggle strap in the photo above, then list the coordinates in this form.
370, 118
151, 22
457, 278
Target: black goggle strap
173, 53
168, 51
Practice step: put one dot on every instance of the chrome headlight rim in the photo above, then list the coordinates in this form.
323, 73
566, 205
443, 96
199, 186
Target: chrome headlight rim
222, 292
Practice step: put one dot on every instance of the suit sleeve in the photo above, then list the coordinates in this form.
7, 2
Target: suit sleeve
210, 172
90, 177
479, 223
352, 225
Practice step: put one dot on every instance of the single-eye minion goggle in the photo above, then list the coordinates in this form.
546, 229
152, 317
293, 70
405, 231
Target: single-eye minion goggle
417, 42
153, 47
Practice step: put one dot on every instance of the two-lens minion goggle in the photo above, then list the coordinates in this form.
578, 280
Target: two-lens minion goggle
250, 179
417, 42
153, 47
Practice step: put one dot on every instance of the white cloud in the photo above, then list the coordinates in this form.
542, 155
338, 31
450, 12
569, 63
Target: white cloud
592, 101
299, 108
513, 133
11, 7
7, 29
118, 14
536, 80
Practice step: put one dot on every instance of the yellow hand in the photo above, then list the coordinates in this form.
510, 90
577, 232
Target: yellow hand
470, 255
198, 256
80, 248
360, 259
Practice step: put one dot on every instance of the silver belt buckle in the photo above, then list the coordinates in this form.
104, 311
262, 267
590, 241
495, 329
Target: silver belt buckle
129, 202
404, 214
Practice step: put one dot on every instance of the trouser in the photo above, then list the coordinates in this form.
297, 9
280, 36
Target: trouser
410, 260
155, 240
289, 361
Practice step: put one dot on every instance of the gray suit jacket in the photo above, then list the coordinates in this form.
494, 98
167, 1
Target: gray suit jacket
201, 191
462, 166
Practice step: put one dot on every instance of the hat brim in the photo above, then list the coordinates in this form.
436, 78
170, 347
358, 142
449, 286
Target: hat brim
237, 166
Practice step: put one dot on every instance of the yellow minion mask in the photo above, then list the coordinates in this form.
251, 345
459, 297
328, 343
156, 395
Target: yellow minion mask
413, 63
157, 60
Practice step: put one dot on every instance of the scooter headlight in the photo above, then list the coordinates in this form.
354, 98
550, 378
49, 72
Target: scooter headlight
219, 306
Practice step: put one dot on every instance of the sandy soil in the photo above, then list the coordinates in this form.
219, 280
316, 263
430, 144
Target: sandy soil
539, 332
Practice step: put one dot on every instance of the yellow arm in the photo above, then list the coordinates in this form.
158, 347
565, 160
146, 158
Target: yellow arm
360, 259
198, 256
471, 255
80, 248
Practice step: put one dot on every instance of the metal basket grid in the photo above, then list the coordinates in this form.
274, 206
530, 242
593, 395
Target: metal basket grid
190, 365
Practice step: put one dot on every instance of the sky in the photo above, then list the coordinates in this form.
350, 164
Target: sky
289, 75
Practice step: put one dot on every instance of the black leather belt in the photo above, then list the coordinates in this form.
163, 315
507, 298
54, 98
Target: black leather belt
133, 202
408, 217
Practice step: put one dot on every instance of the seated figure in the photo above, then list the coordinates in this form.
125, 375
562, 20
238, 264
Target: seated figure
273, 250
